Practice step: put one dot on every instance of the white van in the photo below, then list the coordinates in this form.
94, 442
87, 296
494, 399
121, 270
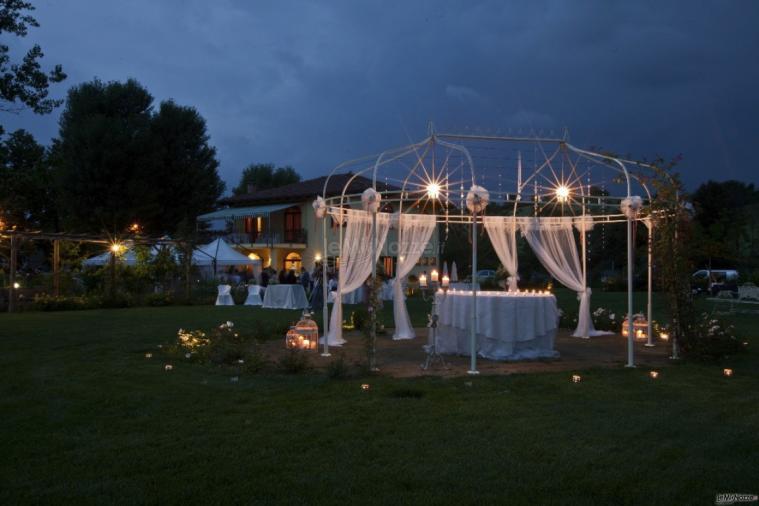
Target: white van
713, 281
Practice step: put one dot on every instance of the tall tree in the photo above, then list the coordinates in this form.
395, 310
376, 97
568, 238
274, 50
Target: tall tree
119, 162
262, 176
25, 187
186, 163
24, 84
723, 215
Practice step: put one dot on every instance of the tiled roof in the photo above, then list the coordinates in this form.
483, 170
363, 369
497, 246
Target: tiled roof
305, 190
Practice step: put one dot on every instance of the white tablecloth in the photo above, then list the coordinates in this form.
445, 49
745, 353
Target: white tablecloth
509, 327
285, 297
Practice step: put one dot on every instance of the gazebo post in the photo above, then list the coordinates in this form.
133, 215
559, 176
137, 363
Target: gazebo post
649, 331
373, 317
630, 331
473, 330
325, 289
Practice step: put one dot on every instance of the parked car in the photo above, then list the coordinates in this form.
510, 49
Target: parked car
713, 281
486, 274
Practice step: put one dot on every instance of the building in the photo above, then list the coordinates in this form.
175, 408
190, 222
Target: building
279, 225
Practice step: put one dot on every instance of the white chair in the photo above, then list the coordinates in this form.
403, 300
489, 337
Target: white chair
254, 296
225, 296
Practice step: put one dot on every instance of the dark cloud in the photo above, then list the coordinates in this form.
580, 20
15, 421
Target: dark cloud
311, 84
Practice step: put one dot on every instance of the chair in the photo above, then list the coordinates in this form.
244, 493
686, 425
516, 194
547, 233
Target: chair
254, 296
225, 296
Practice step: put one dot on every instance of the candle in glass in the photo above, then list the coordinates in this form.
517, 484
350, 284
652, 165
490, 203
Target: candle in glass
423, 281
433, 276
446, 281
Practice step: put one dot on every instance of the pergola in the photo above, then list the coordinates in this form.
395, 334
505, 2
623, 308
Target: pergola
539, 184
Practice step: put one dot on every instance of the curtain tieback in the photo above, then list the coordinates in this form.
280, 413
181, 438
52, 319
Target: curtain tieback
584, 293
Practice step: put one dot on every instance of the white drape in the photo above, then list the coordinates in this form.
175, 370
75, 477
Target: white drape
414, 232
502, 233
553, 242
355, 262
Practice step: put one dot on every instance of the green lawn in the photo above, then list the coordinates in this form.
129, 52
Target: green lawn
87, 419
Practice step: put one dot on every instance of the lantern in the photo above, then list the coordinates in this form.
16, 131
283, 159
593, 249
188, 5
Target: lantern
293, 340
576, 378
654, 374
304, 335
308, 328
727, 372
640, 326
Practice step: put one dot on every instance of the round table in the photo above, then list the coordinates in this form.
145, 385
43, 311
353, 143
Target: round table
285, 297
510, 326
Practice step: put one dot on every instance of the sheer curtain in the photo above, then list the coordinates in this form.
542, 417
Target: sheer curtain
355, 263
414, 232
553, 242
502, 231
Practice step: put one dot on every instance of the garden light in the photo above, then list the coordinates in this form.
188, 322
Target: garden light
727, 372
433, 190
168, 367
148, 355
16, 285
562, 194
365, 386
576, 378
654, 374
117, 248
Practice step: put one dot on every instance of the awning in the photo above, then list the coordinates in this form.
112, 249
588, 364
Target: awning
231, 213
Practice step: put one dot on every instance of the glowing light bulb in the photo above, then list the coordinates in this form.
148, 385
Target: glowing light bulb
562, 193
433, 190
117, 247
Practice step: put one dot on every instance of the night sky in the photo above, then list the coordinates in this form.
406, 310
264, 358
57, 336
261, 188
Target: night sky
311, 84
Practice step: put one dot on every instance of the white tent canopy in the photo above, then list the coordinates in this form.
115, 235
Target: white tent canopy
129, 258
220, 253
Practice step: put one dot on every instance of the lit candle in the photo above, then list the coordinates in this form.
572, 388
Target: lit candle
423, 281
365, 386
433, 276
576, 378
727, 372
306, 344
446, 281
654, 374
148, 355
664, 336
168, 367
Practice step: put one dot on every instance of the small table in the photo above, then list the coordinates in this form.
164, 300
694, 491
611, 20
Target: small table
510, 326
285, 297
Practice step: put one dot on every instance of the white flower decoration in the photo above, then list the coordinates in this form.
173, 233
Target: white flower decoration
370, 200
630, 206
320, 207
477, 199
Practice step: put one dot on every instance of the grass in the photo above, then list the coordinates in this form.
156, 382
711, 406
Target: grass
86, 418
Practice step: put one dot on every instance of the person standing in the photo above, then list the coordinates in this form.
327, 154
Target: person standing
305, 280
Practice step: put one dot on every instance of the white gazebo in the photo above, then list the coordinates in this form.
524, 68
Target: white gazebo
546, 189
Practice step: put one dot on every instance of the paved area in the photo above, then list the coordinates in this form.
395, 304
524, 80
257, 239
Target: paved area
403, 358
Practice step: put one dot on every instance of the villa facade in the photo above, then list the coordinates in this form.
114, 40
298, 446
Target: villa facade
279, 225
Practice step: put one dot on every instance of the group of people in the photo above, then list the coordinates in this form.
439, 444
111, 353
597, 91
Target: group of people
310, 281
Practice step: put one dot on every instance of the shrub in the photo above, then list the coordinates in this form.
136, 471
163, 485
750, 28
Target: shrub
606, 319
338, 368
709, 339
158, 299
294, 361
222, 345
45, 302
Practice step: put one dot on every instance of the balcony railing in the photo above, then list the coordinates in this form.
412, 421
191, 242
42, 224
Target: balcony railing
298, 236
